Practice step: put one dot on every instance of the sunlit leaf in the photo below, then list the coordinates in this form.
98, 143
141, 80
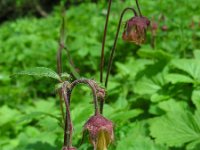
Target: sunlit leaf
189, 66
41, 72
176, 128
196, 98
178, 78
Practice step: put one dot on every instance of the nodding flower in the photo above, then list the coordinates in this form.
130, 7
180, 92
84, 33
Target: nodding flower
135, 30
100, 131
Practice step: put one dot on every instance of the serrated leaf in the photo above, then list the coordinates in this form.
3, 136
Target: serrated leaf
136, 140
146, 86
41, 72
190, 66
65, 75
175, 129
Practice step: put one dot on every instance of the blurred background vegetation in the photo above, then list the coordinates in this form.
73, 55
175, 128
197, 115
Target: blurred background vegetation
153, 96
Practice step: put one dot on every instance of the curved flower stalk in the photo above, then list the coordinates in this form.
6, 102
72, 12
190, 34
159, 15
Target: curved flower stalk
134, 31
99, 128
115, 41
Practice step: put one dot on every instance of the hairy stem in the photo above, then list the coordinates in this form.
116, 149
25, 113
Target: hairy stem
138, 7
59, 62
103, 41
115, 42
90, 83
68, 123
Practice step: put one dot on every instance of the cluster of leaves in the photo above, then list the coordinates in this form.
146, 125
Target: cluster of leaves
153, 94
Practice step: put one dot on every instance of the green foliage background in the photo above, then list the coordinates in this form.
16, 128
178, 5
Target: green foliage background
153, 96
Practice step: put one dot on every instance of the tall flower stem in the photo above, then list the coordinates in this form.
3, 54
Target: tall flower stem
59, 60
68, 123
138, 7
102, 52
115, 42
103, 41
66, 91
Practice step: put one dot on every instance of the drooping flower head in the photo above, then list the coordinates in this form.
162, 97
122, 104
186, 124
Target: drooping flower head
135, 30
100, 131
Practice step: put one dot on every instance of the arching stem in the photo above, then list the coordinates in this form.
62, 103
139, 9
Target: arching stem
66, 91
90, 83
115, 42
103, 41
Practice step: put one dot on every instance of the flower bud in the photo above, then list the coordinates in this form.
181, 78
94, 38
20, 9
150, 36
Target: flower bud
135, 30
164, 28
101, 93
100, 131
154, 28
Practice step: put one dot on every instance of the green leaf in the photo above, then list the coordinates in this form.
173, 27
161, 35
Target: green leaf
172, 105
131, 67
156, 97
196, 54
123, 116
159, 54
146, 86
176, 128
65, 75
8, 115
178, 78
196, 98
136, 140
190, 66
41, 72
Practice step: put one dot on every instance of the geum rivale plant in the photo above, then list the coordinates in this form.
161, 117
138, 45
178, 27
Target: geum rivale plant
100, 129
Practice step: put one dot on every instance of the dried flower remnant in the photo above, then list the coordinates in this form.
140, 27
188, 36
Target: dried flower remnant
135, 30
100, 131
